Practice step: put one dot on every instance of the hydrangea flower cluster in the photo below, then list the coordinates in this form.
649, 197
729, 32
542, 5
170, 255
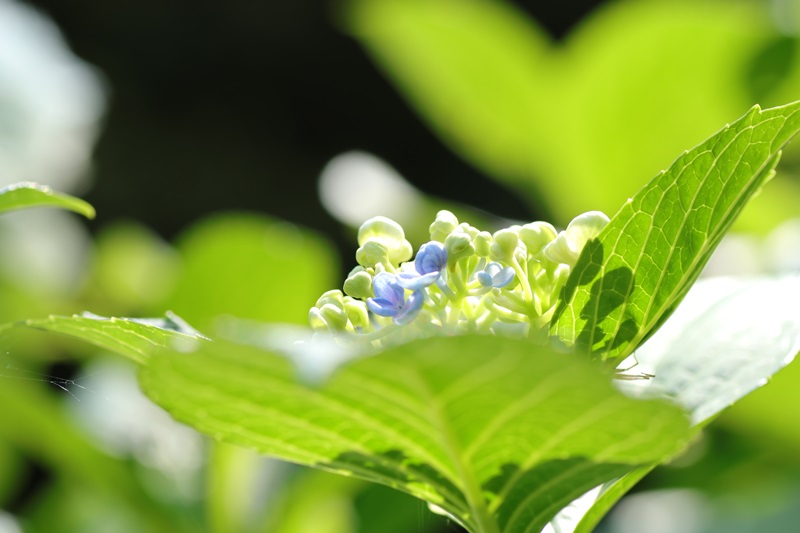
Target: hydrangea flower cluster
462, 281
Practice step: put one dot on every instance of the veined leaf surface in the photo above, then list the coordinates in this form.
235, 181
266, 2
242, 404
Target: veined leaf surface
136, 339
633, 275
499, 433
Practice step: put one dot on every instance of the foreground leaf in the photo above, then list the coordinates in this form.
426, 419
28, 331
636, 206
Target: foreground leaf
499, 433
24, 195
136, 339
629, 279
727, 338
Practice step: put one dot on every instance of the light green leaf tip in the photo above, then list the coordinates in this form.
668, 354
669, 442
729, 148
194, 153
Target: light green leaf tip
26, 194
632, 276
136, 339
499, 433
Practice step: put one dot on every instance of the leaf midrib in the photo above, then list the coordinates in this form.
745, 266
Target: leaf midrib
479, 516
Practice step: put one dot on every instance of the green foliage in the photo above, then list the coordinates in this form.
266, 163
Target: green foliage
499, 433
249, 266
38, 425
579, 122
712, 353
629, 279
25, 195
134, 270
136, 339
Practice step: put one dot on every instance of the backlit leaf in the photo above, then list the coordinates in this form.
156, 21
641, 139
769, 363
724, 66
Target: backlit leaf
499, 433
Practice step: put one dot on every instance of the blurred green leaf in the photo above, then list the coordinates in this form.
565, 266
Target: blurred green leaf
769, 413
38, 426
134, 270
316, 501
578, 123
10, 472
498, 432
235, 488
24, 195
250, 266
629, 279
136, 339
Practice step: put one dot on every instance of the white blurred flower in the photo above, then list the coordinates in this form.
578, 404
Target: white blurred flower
50, 102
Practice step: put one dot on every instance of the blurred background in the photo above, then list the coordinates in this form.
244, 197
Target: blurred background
232, 149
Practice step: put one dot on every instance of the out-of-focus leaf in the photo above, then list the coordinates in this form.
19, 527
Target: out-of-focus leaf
632, 276
136, 339
238, 495
24, 195
769, 413
134, 270
727, 338
250, 266
37, 425
316, 501
580, 122
499, 433
10, 470
474, 69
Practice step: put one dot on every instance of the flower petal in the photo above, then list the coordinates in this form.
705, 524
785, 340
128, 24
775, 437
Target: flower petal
432, 257
385, 286
503, 278
415, 281
382, 307
410, 310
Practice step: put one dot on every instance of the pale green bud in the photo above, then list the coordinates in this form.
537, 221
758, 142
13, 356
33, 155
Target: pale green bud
388, 233
469, 230
372, 253
537, 235
358, 284
334, 297
567, 246
445, 224
356, 311
483, 242
334, 316
458, 245
560, 275
504, 245
316, 321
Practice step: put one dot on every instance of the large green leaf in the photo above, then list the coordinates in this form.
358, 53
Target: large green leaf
633, 275
24, 195
499, 433
727, 338
579, 123
136, 339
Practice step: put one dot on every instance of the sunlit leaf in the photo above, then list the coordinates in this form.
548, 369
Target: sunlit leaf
726, 339
25, 195
499, 433
136, 339
634, 274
